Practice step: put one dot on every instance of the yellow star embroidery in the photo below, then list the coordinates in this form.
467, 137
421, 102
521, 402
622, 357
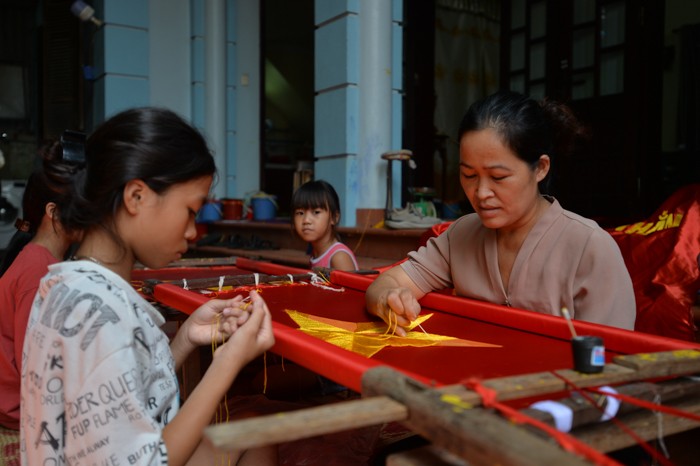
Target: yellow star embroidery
368, 338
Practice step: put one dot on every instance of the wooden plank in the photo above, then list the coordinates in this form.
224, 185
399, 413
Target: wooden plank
194, 262
648, 425
294, 257
663, 363
523, 386
627, 368
304, 423
476, 435
381, 244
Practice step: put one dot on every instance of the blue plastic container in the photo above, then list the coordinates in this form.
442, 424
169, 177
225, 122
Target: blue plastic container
264, 208
210, 212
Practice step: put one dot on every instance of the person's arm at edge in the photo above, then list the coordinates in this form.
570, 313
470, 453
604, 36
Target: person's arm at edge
22, 311
341, 260
609, 299
393, 297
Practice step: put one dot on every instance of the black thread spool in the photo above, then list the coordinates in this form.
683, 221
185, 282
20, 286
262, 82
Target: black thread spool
589, 354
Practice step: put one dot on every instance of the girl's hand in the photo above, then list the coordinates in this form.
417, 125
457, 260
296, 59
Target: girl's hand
252, 337
215, 321
398, 307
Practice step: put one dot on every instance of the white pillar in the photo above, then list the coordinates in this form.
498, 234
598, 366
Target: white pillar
215, 86
375, 100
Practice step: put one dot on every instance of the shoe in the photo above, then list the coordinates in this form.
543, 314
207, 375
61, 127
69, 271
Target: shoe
409, 218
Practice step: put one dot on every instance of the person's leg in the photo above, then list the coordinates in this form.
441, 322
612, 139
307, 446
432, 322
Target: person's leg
259, 456
9, 447
207, 454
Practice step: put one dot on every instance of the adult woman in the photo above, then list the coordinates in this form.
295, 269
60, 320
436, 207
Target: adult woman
519, 248
99, 381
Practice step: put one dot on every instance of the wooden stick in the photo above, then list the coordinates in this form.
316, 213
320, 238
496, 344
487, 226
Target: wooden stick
228, 280
567, 316
197, 262
477, 435
294, 425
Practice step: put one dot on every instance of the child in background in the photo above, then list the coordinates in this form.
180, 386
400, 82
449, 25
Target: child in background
316, 212
40, 241
99, 383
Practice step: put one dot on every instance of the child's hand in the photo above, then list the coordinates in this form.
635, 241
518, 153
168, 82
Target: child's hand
253, 336
215, 321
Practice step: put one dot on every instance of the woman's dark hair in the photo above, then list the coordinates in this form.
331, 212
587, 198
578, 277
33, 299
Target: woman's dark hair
52, 181
317, 194
529, 128
152, 144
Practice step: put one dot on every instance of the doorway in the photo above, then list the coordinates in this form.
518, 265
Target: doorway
288, 95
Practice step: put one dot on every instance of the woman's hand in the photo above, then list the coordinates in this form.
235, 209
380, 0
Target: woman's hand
393, 297
398, 308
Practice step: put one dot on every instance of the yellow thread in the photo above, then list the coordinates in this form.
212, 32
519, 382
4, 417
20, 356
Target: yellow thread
456, 401
214, 344
218, 416
686, 354
362, 235
264, 372
389, 332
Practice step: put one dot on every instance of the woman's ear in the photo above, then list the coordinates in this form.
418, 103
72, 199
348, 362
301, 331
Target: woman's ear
134, 193
542, 168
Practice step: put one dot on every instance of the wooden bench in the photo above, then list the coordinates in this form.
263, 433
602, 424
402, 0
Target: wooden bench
373, 247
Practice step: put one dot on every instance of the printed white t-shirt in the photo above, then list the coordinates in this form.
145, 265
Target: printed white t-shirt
98, 378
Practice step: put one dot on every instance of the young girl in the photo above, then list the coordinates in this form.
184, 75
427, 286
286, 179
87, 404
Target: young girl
40, 241
99, 381
316, 211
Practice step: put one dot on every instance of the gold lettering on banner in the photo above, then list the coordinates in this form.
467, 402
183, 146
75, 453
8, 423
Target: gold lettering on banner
666, 221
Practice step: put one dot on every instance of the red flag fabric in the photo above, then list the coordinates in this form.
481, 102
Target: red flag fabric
661, 254
435, 230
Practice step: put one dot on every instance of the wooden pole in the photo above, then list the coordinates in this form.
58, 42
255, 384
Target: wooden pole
450, 416
305, 423
225, 280
477, 435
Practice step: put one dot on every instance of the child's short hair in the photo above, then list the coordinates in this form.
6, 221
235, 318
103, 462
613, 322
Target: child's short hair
315, 194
